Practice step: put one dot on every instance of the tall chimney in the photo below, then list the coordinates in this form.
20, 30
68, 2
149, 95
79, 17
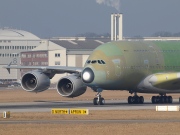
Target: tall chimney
116, 27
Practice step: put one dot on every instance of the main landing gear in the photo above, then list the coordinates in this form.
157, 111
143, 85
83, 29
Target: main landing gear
99, 100
135, 99
161, 99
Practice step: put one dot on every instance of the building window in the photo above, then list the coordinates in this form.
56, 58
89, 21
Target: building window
57, 62
29, 55
23, 55
57, 54
34, 55
44, 63
35, 63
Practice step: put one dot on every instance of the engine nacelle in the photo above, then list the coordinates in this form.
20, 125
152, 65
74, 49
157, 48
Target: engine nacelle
71, 86
35, 81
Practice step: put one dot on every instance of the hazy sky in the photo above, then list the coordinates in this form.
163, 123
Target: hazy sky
48, 18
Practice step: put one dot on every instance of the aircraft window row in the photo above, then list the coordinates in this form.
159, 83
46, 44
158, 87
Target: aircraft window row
152, 67
5, 41
17, 47
156, 51
142, 50
95, 61
9, 55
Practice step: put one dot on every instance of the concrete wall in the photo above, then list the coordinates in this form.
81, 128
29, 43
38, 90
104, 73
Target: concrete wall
84, 59
54, 59
71, 60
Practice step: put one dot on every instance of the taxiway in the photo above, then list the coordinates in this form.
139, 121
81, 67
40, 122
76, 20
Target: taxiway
46, 106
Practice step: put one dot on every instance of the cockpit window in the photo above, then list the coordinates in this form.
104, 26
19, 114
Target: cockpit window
88, 62
103, 62
93, 61
99, 61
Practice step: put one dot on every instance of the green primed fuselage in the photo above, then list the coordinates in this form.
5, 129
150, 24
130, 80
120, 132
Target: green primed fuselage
128, 63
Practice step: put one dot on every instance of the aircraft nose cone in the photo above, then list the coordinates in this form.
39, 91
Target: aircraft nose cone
87, 75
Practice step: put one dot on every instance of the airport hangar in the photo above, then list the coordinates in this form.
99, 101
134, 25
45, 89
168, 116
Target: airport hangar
12, 42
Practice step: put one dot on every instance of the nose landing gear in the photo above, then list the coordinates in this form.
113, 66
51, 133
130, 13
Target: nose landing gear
99, 100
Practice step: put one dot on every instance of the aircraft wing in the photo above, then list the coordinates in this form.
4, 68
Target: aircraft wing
47, 69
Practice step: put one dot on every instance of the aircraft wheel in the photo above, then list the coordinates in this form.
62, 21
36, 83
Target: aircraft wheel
162, 99
95, 101
153, 99
130, 100
101, 101
166, 99
170, 100
158, 99
136, 100
141, 99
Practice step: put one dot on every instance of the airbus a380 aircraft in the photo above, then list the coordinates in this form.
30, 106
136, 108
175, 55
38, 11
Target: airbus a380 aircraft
135, 66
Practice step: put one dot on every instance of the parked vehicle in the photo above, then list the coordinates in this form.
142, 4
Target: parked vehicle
15, 84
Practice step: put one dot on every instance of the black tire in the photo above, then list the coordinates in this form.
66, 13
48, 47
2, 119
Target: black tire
141, 99
166, 99
101, 101
136, 100
130, 100
170, 100
153, 99
158, 99
95, 101
162, 100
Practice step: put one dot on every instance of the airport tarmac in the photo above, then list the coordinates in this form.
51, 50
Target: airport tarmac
46, 106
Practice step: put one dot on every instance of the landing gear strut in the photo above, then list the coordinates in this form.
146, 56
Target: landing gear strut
135, 99
99, 100
161, 99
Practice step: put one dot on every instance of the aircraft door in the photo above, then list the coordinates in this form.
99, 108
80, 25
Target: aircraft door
155, 54
117, 67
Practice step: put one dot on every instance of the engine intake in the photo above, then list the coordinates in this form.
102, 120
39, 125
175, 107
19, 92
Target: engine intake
35, 81
71, 86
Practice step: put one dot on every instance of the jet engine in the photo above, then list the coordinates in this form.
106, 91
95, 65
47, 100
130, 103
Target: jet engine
35, 81
71, 86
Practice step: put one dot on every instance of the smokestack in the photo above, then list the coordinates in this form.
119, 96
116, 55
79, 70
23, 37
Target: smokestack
116, 27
